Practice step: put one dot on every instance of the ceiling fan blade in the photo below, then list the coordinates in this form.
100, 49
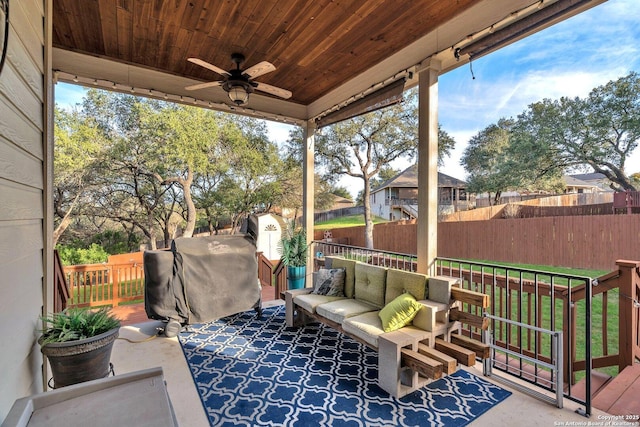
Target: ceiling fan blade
211, 67
203, 85
282, 93
259, 69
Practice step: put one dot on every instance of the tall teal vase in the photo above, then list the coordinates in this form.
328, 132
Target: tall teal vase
295, 277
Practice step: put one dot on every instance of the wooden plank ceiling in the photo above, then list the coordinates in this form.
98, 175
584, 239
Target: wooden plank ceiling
316, 45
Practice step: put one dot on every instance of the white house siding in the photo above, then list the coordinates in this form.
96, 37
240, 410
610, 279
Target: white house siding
23, 161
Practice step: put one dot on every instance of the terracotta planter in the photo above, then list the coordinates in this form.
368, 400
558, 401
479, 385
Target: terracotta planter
73, 362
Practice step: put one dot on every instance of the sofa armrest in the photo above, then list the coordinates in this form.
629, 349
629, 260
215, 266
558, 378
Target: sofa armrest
440, 288
290, 310
295, 292
431, 314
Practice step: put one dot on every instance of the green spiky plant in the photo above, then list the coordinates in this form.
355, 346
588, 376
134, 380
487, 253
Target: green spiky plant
77, 324
293, 246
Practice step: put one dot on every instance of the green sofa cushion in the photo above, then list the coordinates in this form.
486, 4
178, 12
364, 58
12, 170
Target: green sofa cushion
399, 282
370, 284
350, 269
399, 312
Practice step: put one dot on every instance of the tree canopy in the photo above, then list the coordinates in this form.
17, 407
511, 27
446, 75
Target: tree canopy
363, 146
553, 137
154, 167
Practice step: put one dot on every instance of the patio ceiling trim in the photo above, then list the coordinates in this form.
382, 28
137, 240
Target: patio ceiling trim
170, 97
381, 98
91, 71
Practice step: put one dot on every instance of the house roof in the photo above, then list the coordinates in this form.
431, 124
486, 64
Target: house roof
594, 176
408, 178
572, 181
327, 53
595, 179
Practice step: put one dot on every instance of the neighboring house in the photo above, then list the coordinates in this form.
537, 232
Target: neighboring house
596, 179
573, 184
397, 198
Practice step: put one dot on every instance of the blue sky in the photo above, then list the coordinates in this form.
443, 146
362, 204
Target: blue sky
567, 59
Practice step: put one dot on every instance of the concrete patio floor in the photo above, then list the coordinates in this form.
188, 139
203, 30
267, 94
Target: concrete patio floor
517, 410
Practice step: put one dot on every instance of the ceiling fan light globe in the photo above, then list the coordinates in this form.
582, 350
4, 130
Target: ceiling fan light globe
238, 94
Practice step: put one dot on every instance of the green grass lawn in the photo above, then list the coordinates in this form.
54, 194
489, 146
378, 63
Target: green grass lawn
345, 221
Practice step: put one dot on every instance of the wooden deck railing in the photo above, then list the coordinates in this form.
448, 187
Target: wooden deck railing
94, 285
626, 200
60, 288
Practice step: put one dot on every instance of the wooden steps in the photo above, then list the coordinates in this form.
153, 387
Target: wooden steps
406, 362
598, 381
620, 395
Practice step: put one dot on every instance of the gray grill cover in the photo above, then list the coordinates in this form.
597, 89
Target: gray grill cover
202, 279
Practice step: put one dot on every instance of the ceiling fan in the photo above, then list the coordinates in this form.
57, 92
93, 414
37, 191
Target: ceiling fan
239, 83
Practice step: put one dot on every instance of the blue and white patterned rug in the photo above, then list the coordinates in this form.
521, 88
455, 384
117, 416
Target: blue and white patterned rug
252, 371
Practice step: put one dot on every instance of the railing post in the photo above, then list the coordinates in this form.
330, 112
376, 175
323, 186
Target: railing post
114, 280
629, 282
568, 351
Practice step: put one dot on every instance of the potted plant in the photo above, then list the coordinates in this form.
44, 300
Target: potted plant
78, 344
294, 251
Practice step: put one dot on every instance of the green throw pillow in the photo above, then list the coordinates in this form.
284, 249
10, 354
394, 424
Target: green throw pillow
399, 312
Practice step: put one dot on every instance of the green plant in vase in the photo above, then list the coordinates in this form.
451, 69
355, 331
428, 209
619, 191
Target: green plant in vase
78, 344
294, 252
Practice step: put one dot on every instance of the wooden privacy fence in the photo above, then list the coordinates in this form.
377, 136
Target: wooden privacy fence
593, 242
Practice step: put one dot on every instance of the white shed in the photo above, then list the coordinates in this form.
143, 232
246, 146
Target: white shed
270, 229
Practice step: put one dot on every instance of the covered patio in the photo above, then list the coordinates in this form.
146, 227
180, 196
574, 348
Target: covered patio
331, 56
517, 409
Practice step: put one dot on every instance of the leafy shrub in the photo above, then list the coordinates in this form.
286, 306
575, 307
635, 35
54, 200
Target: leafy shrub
95, 254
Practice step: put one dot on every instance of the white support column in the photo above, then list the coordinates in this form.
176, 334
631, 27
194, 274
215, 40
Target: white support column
428, 165
308, 184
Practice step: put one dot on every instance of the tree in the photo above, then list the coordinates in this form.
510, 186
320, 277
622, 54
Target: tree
127, 189
485, 158
362, 146
188, 144
78, 146
341, 191
532, 152
598, 132
323, 189
256, 178
602, 130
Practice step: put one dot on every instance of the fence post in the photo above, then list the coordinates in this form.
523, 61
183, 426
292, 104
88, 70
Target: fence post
629, 281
